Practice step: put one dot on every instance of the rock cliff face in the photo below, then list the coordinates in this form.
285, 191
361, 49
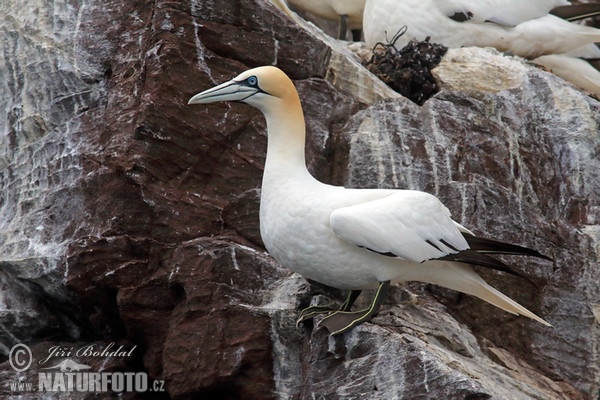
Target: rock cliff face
129, 217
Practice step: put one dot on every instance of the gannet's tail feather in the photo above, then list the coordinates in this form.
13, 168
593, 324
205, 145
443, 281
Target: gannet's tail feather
462, 278
500, 300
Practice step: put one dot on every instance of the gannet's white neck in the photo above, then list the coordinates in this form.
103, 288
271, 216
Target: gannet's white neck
286, 136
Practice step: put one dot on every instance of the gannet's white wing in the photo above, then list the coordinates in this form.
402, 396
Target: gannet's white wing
503, 12
411, 225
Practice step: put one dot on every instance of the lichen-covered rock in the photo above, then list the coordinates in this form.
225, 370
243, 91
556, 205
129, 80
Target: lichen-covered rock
48, 82
503, 164
129, 217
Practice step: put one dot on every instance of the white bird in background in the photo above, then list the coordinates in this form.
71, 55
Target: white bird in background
354, 239
527, 28
348, 13
580, 72
524, 28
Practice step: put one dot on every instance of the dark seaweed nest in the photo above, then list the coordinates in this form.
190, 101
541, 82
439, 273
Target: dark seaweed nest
407, 71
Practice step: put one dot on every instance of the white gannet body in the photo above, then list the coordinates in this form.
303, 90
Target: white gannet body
353, 238
524, 28
333, 9
502, 12
348, 13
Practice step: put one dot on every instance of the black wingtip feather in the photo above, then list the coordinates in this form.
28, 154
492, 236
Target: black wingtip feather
483, 260
576, 12
490, 246
479, 249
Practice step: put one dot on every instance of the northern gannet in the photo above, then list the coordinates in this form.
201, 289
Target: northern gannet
354, 239
522, 27
348, 13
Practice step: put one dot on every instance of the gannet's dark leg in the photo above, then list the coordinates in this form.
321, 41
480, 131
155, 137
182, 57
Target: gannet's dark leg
342, 321
312, 311
356, 34
350, 299
343, 27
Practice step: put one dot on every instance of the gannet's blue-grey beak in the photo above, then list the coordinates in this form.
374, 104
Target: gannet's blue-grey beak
233, 90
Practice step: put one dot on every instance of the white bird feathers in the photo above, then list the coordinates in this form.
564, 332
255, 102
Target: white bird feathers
396, 224
524, 28
348, 13
533, 29
354, 239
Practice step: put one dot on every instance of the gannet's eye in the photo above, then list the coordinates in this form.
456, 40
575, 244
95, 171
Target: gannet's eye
252, 81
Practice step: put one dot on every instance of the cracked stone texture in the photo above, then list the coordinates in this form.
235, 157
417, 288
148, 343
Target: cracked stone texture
127, 216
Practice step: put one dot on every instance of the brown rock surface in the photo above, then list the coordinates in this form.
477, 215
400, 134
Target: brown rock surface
130, 217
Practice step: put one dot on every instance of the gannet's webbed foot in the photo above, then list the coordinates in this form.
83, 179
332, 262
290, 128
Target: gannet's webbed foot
313, 311
343, 320
343, 27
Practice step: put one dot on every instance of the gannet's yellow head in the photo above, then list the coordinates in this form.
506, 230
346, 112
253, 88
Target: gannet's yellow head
265, 88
